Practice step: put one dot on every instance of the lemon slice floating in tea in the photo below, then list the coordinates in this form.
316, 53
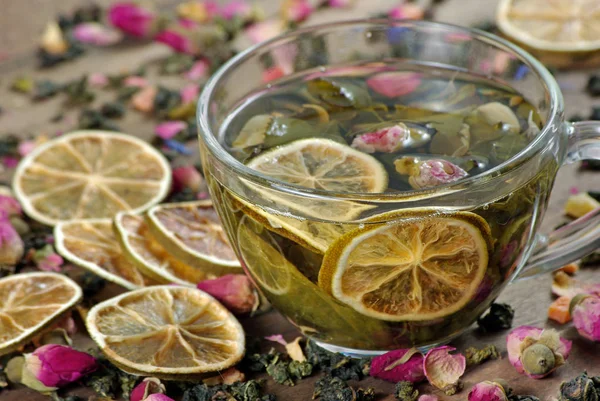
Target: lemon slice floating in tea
32, 302
92, 245
141, 249
419, 265
555, 29
323, 164
90, 174
168, 332
192, 232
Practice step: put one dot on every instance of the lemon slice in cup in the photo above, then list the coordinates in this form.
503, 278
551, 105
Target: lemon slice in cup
170, 332
419, 265
31, 303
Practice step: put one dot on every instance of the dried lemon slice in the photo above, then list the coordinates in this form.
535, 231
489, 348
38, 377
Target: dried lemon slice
32, 302
318, 163
557, 25
167, 331
92, 245
90, 174
192, 232
419, 265
149, 256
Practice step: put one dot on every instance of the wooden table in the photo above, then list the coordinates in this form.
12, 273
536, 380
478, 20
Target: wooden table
530, 298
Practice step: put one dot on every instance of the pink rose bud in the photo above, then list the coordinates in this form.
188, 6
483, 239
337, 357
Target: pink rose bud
97, 34
536, 352
189, 93
443, 369
47, 260
10, 205
149, 386
26, 147
487, 391
57, 365
387, 140
339, 3
132, 19
168, 129
234, 291
143, 100
135, 81
429, 173
11, 244
296, 10
98, 80
237, 8
187, 177
158, 397
177, 39
265, 30
407, 11
585, 311
394, 84
198, 71
399, 365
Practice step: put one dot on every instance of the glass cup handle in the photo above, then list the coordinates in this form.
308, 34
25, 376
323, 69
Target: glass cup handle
582, 236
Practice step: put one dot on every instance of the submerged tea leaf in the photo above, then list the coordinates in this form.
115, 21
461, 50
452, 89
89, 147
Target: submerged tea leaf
451, 143
339, 92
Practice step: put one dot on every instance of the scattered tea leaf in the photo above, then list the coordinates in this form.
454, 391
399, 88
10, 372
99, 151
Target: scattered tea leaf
250, 390
46, 89
93, 119
78, 92
336, 365
329, 388
477, 356
405, 391
113, 109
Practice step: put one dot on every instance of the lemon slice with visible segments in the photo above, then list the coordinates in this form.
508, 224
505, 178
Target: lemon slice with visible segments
32, 302
192, 232
92, 245
556, 26
90, 174
141, 249
418, 265
318, 163
170, 332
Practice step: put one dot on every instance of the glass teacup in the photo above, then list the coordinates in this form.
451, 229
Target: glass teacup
364, 273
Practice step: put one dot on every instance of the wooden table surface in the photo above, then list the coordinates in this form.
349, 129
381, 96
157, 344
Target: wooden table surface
530, 298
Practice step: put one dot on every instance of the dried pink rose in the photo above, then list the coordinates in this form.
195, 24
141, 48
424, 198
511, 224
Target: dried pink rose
11, 244
536, 352
143, 100
135, 81
237, 9
94, 33
487, 391
149, 386
407, 11
271, 74
168, 129
47, 260
585, 311
443, 369
10, 162
399, 365
98, 80
57, 365
339, 3
265, 30
189, 93
26, 147
296, 10
158, 397
10, 205
277, 338
198, 71
394, 84
177, 39
388, 139
187, 177
234, 291
428, 173
132, 19
428, 397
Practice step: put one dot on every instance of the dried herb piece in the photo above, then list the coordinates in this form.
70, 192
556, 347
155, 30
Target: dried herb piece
336, 365
9, 145
165, 100
330, 388
91, 284
22, 85
113, 109
250, 390
78, 92
55, 397
593, 85
109, 381
74, 50
93, 119
405, 391
46, 89
126, 92
176, 64
499, 317
581, 388
279, 367
478, 356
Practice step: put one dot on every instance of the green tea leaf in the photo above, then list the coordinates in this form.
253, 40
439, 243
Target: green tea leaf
339, 92
451, 143
283, 130
254, 131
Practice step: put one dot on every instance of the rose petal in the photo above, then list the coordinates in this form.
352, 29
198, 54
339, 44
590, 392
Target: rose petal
131, 19
514, 340
97, 34
11, 244
386, 366
150, 385
294, 350
199, 70
176, 40
98, 80
228, 376
428, 397
135, 81
271, 74
586, 318
168, 129
143, 100
236, 8
487, 391
407, 11
278, 338
442, 369
340, 3
158, 397
261, 31
296, 10
189, 93
394, 84
10, 162
10, 205
187, 177
234, 291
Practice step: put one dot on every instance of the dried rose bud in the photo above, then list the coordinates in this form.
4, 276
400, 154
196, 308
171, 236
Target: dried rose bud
585, 311
177, 39
387, 140
536, 352
296, 10
395, 84
57, 365
488, 391
96, 34
198, 70
158, 397
189, 93
234, 291
11, 244
443, 369
265, 30
143, 100
48, 260
132, 19
237, 9
10, 205
407, 11
429, 173
149, 386
399, 365
187, 177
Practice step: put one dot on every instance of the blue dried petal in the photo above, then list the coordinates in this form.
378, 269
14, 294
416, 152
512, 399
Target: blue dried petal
177, 146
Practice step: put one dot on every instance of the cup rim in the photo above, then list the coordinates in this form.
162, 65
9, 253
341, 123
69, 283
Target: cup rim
549, 128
